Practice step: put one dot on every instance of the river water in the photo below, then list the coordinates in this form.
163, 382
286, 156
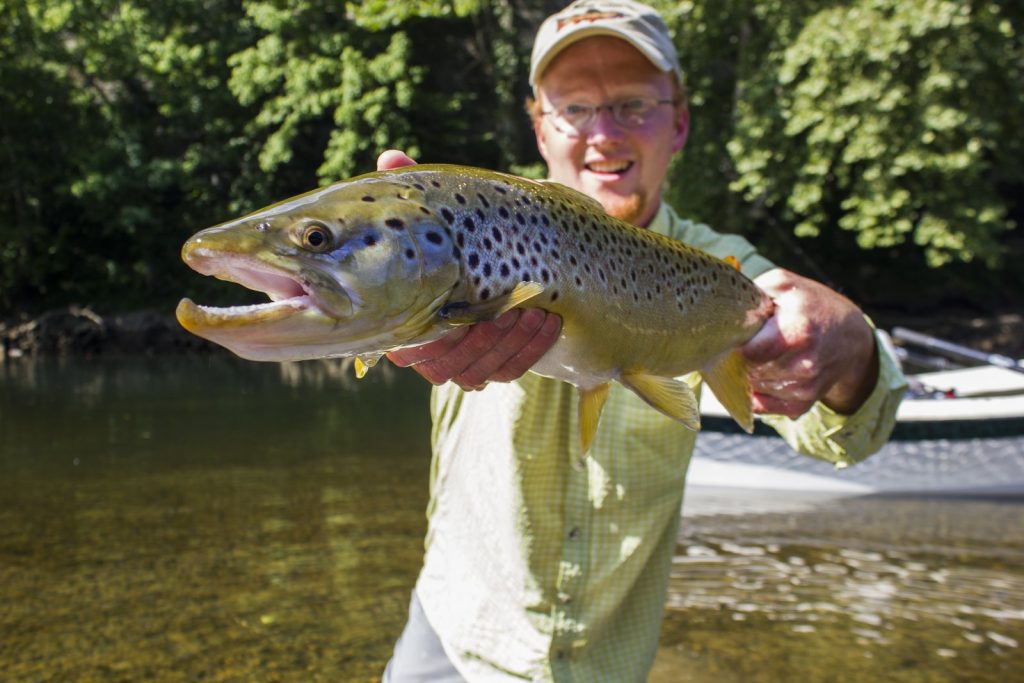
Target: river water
204, 518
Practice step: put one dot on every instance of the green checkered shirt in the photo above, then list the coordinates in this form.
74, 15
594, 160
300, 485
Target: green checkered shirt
541, 570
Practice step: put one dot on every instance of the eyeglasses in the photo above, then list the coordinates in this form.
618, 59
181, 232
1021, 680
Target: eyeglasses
576, 119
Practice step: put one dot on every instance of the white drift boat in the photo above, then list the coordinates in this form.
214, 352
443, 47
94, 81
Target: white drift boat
959, 431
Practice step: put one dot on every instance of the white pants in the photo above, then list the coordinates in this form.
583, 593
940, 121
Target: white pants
418, 656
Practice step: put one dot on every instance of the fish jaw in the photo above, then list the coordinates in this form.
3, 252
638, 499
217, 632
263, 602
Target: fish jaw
295, 318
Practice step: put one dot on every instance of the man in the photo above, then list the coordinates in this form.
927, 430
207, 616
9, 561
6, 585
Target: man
538, 570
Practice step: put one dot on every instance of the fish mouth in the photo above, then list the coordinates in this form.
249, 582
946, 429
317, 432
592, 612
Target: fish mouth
288, 294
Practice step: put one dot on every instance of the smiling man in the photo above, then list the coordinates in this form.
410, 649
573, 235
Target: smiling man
536, 569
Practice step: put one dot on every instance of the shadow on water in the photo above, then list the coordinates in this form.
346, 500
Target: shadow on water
205, 518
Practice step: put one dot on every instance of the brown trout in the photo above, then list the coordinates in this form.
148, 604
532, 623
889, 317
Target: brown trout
399, 258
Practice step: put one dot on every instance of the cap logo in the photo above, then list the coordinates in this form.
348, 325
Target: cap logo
588, 16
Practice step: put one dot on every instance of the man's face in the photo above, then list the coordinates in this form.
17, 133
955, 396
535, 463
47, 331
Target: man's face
622, 168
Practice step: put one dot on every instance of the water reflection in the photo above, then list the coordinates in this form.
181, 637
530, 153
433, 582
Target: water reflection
205, 518
867, 584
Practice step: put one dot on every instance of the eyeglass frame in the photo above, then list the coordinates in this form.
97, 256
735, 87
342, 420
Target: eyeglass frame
596, 108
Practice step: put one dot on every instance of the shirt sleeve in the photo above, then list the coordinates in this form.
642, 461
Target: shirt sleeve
847, 439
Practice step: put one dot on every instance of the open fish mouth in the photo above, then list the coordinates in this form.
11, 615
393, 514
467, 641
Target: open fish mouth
288, 296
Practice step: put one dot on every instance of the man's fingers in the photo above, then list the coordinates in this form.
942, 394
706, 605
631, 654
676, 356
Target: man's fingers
767, 345
528, 355
772, 405
403, 358
393, 158
514, 354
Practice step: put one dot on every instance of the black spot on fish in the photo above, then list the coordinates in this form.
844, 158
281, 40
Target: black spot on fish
459, 198
435, 184
483, 200
434, 238
456, 252
448, 215
534, 262
485, 294
461, 239
554, 296
573, 261
476, 281
515, 263
500, 190
545, 275
536, 246
519, 219
368, 198
419, 187
394, 223
410, 254
554, 255
487, 244
480, 214
487, 270
526, 276
579, 282
470, 225
425, 211
544, 239
545, 221
520, 249
504, 269
496, 234
369, 239
503, 212
473, 260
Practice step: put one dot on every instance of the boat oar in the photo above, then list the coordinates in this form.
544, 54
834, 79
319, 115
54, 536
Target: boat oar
955, 350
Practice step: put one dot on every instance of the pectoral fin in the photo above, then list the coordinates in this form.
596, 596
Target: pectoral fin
591, 405
669, 396
465, 313
364, 363
727, 378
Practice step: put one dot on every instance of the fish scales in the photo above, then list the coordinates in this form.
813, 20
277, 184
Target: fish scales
410, 253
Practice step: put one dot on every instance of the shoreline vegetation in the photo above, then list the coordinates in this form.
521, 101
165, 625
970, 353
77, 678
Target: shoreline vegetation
83, 331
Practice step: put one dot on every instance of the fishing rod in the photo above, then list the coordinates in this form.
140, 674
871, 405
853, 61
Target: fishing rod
955, 350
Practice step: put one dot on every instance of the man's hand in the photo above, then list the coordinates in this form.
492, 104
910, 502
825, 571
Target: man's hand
500, 350
817, 346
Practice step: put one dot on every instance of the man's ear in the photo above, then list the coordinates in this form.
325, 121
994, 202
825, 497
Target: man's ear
682, 128
538, 132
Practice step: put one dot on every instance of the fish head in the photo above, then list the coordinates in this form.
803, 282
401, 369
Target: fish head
357, 267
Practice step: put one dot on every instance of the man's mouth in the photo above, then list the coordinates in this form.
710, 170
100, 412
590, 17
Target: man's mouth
609, 167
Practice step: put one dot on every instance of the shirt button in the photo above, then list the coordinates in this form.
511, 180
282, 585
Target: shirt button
574, 533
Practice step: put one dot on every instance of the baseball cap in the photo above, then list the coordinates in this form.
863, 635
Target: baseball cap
638, 24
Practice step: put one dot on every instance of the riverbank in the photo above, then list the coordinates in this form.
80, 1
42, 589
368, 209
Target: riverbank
82, 331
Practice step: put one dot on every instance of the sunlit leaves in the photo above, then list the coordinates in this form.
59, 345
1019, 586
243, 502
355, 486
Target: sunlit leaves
891, 119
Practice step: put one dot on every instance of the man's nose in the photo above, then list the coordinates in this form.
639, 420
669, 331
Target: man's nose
604, 126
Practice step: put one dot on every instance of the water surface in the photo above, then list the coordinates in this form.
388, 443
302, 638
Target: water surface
205, 518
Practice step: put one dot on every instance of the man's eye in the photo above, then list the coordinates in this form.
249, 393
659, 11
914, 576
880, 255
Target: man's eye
575, 109
634, 106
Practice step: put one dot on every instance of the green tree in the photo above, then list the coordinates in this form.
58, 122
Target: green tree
895, 120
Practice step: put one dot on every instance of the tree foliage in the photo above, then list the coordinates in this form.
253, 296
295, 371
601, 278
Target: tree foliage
876, 132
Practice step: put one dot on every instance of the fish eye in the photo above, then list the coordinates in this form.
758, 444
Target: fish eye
316, 237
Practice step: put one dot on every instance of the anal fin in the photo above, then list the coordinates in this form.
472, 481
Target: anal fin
727, 377
591, 404
669, 396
